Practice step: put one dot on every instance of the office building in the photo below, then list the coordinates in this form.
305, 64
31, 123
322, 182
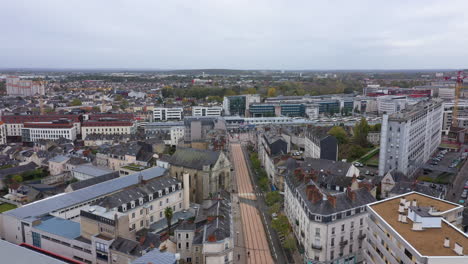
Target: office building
238, 105
284, 109
165, 113
18, 87
34, 131
415, 228
410, 137
207, 110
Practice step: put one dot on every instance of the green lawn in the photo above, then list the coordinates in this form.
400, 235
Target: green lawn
6, 207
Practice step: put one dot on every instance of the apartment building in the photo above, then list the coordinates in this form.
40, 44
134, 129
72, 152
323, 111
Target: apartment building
176, 130
15, 86
212, 240
2, 133
329, 226
319, 145
107, 127
90, 224
32, 132
409, 137
415, 228
207, 111
165, 113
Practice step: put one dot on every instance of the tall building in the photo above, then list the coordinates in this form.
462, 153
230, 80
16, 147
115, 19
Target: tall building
415, 228
2, 133
409, 137
17, 87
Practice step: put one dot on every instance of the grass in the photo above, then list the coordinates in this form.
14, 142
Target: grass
6, 207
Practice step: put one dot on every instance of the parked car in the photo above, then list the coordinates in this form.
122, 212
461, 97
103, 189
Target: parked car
464, 194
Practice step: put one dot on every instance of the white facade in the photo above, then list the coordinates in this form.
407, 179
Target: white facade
391, 104
37, 133
17, 87
108, 130
177, 133
164, 114
336, 241
447, 93
409, 138
207, 111
3, 133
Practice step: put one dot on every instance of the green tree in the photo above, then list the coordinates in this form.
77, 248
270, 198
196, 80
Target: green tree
281, 225
361, 130
76, 102
339, 133
118, 97
17, 178
273, 197
123, 104
290, 243
274, 209
230, 92
168, 213
250, 90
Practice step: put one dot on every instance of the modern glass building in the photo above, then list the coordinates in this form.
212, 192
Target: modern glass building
270, 110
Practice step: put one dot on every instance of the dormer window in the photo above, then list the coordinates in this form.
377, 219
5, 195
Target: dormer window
124, 207
150, 197
167, 190
132, 204
173, 187
141, 201
179, 186
160, 193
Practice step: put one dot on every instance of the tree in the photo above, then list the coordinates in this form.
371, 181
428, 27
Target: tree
168, 213
339, 133
273, 197
230, 93
281, 225
17, 178
76, 102
274, 209
271, 92
250, 90
118, 97
123, 104
290, 243
361, 130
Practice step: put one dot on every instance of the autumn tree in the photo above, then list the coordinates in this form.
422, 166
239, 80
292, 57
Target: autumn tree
339, 133
361, 130
271, 92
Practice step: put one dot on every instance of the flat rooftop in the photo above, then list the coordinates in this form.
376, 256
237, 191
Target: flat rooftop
60, 227
429, 241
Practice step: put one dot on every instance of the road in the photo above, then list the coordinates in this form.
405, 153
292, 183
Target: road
254, 236
458, 184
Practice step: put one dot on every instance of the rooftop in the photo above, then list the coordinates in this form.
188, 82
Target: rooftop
60, 227
12, 253
92, 170
429, 241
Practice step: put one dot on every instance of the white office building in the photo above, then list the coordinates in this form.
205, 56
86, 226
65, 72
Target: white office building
207, 110
164, 114
32, 132
410, 137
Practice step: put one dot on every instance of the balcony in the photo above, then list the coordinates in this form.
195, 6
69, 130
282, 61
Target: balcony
316, 247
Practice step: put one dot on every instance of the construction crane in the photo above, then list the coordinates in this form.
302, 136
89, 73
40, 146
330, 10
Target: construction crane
458, 86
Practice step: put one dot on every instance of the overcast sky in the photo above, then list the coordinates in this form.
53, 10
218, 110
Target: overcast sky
235, 34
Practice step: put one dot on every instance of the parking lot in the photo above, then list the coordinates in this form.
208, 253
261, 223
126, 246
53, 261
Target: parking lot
443, 166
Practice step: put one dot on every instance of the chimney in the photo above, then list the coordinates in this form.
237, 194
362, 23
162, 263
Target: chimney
403, 218
332, 200
446, 242
186, 191
351, 194
354, 183
402, 200
414, 203
401, 208
313, 193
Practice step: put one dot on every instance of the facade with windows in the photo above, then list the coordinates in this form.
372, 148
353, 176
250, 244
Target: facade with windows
270, 110
330, 228
113, 127
32, 132
408, 138
165, 114
238, 105
207, 111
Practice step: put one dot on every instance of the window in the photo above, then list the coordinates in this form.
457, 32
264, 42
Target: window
361, 221
332, 242
333, 231
342, 227
226, 246
167, 200
160, 214
317, 232
187, 235
178, 235
101, 247
141, 211
133, 215
36, 239
151, 207
160, 203
332, 253
350, 248
187, 245
132, 204
352, 224
151, 219
141, 223
179, 245
351, 236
